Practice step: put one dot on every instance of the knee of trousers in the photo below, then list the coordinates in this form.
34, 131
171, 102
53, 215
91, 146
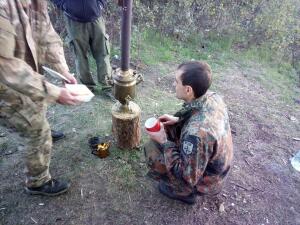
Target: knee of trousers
30, 120
39, 147
154, 157
151, 151
38, 127
38, 132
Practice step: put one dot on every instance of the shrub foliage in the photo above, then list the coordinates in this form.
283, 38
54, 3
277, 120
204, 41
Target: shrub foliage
251, 23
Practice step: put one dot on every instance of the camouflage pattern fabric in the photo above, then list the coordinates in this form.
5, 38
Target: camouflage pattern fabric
29, 119
90, 36
27, 41
199, 151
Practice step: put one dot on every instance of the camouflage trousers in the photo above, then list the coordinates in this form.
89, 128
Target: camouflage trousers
157, 169
207, 185
90, 36
29, 119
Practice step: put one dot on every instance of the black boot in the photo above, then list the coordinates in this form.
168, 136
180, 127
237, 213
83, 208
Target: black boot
57, 135
168, 191
51, 188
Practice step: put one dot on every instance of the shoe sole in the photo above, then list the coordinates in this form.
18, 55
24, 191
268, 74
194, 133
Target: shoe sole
190, 202
44, 193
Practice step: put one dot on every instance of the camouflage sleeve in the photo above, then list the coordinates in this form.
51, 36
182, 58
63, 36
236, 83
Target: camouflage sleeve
16, 73
50, 45
188, 161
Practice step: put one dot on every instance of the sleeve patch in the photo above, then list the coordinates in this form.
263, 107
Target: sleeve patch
190, 144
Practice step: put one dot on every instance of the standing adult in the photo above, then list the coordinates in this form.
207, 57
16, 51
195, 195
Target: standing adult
192, 153
86, 31
27, 41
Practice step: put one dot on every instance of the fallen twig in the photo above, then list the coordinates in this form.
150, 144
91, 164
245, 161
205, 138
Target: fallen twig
296, 139
246, 189
129, 196
251, 166
248, 163
240, 186
81, 193
258, 189
33, 220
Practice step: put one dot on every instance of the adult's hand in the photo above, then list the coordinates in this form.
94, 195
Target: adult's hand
70, 77
168, 119
67, 98
159, 136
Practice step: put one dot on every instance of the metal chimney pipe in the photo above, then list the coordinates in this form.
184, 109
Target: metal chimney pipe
126, 34
126, 115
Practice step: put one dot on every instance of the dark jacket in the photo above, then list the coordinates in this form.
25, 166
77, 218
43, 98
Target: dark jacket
81, 10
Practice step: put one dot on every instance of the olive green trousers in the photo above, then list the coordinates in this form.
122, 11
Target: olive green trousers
85, 37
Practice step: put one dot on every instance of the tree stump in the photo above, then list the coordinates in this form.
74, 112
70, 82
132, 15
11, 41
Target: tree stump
126, 126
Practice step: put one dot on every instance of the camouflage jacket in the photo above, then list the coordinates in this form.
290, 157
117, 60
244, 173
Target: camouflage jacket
27, 41
199, 147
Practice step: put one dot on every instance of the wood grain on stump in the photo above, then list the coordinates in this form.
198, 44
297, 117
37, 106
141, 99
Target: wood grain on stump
126, 126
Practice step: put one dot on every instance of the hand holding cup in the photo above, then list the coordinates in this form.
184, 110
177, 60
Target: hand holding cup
155, 130
168, 119
152, 125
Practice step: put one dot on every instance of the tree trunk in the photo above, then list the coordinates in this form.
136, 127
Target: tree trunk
126, 126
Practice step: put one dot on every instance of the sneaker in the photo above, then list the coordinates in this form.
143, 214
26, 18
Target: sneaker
51, 188
167, 191
57, 135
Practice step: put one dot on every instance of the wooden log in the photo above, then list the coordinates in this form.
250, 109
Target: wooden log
126, 127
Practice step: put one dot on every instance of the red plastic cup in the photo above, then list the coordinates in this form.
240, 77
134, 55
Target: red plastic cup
152, 124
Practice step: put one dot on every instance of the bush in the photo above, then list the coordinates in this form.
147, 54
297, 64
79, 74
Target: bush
275, 24
252, 22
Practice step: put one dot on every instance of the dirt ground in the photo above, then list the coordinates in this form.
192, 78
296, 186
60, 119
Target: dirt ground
262, 187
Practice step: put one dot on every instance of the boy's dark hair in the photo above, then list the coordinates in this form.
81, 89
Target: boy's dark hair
196, 74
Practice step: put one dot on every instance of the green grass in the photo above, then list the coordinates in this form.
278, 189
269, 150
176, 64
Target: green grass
159, 52
272, 72
125, 170
126, 174
281, 79
159, 102
3, 146
95, 120
154, 49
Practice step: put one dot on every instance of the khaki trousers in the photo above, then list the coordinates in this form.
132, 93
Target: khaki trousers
29, 119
